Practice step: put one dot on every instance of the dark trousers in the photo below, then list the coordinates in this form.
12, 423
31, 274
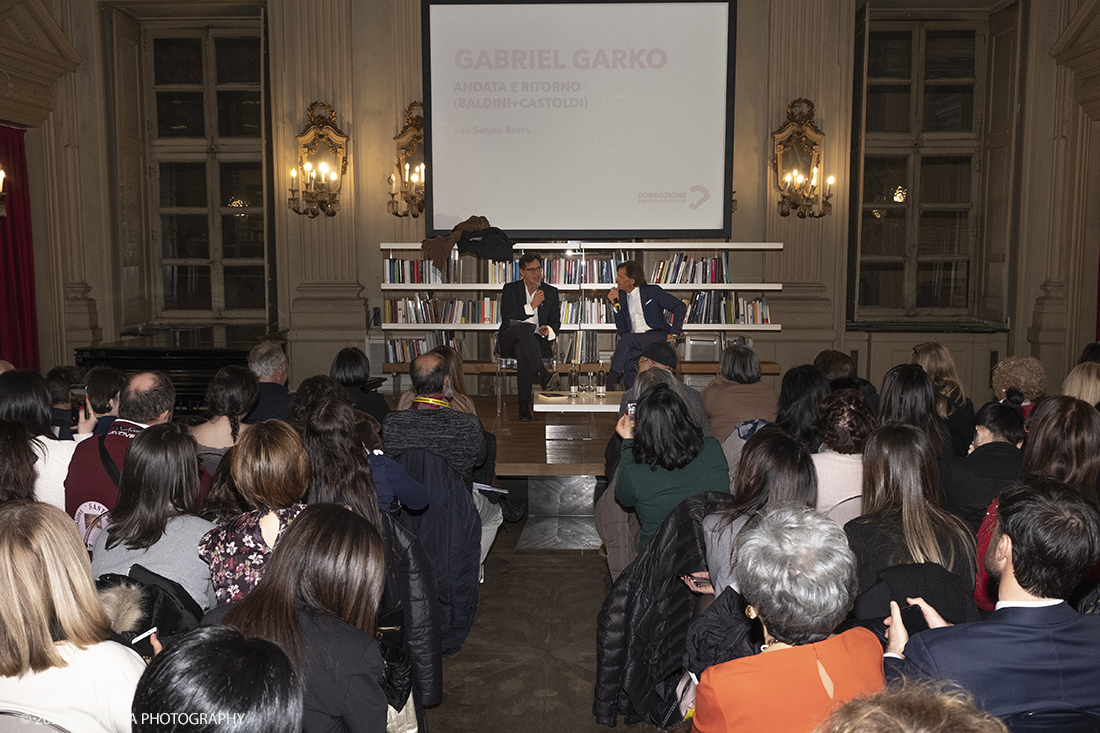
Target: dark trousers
521, 342
626, 352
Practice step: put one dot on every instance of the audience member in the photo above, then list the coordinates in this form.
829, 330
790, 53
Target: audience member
155, 522
1083, 382
908, 396
231, 394
1022, 373
57, 661
432, 425
902, 521
59, 381
318, 600
974, 481
797, 574
1091, 352
244, 685
775, 470
835, 364
666, 458
25, 399
530, 318
6, 366
341, 470
270, 470
223, 502
17, 474
268, 362
320, 387
1063, 441
640, 319
952, 405
844, 420
459, 399
1034, 653
105, 385
801, 392
867, 389
913, 706
737, 394
351, 368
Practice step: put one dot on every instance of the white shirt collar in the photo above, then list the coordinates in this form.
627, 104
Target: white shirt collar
1029, 604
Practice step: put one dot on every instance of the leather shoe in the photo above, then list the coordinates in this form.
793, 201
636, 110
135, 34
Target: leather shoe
546, 377
524, 412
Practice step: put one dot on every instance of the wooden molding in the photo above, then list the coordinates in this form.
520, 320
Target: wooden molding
34, 54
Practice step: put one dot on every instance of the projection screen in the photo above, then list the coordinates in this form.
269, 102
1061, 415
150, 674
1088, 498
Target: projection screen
576, 120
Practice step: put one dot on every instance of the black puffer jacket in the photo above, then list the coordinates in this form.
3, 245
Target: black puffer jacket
410, 586
644, 620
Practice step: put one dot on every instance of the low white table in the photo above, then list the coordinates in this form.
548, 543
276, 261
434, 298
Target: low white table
585, 402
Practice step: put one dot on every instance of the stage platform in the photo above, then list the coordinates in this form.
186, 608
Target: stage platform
551, 444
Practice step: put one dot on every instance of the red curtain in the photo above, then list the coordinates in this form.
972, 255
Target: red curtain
18, 315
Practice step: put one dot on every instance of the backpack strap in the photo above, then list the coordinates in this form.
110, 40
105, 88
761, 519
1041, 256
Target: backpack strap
109, 463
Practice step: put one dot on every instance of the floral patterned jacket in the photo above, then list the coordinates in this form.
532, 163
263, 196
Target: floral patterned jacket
236, 552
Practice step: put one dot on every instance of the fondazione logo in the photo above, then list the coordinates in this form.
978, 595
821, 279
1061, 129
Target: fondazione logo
693, 197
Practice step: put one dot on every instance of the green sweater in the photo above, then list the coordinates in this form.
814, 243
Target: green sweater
654, 493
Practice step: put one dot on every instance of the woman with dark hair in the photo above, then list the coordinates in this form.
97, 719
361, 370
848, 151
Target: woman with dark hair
1062, 441
460, 401
319, 600
320, 387
908, 396
801, 392
902, 521
775, 470
57, 659
25, 399
844, 420
797, 576
231, 395
737, 394
952, 405
155, 522
270, 470
351, 368
665, 459
17, 474
342, 471
263, 693
1021, 374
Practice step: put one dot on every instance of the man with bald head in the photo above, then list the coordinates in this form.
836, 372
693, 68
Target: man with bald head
6, 366
91, 487
431, 425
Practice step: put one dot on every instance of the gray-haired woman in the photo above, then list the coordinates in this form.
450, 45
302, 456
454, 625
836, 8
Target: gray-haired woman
798, 576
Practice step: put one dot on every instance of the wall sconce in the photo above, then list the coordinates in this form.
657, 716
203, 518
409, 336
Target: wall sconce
322, 163
408, 182
3, 206
797, 164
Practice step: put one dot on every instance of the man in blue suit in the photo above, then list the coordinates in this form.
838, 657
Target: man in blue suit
640, 319
1034, 653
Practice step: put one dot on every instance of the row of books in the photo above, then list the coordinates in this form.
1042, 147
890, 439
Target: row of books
684, 270
424, 272
560, 271
434, 310
407, 349
587, 310
704, 306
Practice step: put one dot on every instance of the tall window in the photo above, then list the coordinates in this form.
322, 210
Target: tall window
206, 151
921, 147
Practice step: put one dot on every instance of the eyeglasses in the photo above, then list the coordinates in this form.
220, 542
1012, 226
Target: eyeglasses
533, 269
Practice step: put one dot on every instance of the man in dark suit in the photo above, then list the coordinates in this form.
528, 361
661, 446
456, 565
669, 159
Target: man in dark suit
1034, 652
992, 464
640, 319
530, 318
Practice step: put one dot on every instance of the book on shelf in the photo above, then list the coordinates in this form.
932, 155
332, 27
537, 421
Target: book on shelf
586, 309
396, 271
681, 269
430, 311
580, 346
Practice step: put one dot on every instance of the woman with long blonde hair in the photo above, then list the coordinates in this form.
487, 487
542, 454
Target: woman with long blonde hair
57, 661
952, 404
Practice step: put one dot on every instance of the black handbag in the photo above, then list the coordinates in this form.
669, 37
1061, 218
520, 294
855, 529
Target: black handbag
397, 679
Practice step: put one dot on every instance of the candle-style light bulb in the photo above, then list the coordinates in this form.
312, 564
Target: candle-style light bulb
332, 176
829, 185
393, 183
293, 179
308, 166
406, 173
2, 176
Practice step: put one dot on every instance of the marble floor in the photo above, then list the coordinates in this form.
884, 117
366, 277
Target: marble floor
529, 663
